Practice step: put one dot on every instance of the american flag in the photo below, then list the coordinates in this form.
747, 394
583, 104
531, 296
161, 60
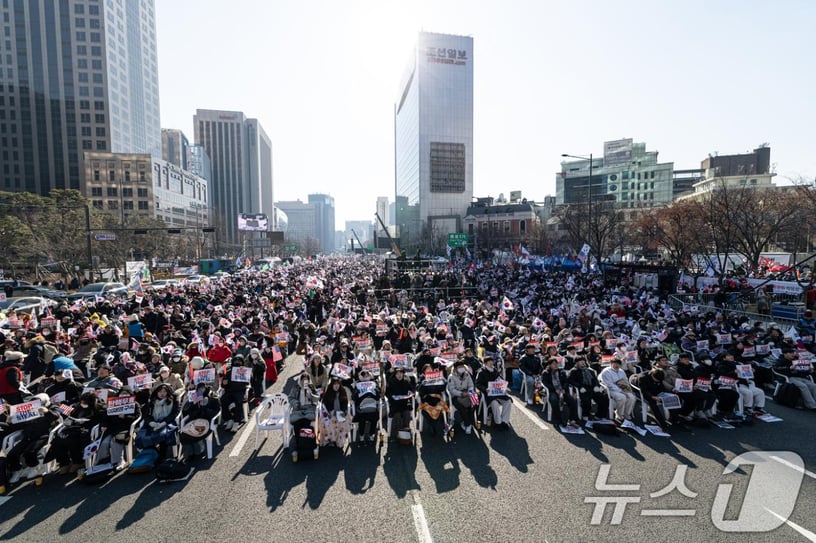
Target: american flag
65, 409
276, 353
474, 398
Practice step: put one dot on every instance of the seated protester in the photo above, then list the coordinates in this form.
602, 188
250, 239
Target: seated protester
727, 393
258, 381
62, 363
318, 373
343, 353
199, 409
460, 387
366, 396
158, 428
499, 406
424, 359
556, 382
116, 435
68, 445
64, 390
800, 374
156, 361
178, 362
763, 375
199, 363
471, 361
432, 399
753, 397
11, 377
650, 384
531, 366
304, 397
698, 401
617, 383
333, 420
104, 378
400, 393
586, 382
347, 381
125, 368
233, 396
165, 376
24, 453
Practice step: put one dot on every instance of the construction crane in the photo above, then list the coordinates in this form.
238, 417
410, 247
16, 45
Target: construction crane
358, 241
394, 247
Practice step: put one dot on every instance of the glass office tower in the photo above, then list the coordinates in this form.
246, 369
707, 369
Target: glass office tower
434, 140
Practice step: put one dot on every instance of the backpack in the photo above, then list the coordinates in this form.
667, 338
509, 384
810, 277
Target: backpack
787, 394
49, 353
172, 470
144, 461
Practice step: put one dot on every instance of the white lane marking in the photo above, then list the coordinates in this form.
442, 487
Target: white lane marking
4, 499
521, 406
805, 532
420, 523
794, 466
247, 430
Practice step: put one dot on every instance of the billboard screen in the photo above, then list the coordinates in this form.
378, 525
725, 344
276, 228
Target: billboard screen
617, 152
253, 222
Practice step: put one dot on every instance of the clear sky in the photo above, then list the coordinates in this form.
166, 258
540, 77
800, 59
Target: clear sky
687, 77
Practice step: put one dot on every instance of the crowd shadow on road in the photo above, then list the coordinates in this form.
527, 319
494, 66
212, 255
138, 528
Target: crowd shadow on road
33, 503
399, 467
474, 455
437, 454
361, 465
513, 447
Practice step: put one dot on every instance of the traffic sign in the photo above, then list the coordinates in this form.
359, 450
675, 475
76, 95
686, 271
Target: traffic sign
459, 239
105, 237
290, 247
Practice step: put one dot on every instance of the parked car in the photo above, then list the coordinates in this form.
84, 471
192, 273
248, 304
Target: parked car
26, 304
29, 290
196, 280
162, 284
99, 289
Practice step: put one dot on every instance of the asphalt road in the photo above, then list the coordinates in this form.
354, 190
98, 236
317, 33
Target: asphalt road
526, 484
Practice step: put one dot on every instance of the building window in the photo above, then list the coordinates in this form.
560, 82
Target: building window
127, 175
447, 167
112, 192
127, 193
98, 204
141, 193
127, 205
111, 175
522, 226
87, 144
96, 175
506, 227
96, 191
142, 177
113, 204
142, 205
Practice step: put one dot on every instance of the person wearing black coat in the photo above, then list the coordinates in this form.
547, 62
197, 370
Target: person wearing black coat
200, 405
557, 384
68, 446
116, 435
651, 385
397, 390
233, 396
589, 388
499, 405
34, 437
531, 366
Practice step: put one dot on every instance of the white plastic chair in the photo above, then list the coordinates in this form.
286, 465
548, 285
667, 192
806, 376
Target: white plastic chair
276, 419
214, 421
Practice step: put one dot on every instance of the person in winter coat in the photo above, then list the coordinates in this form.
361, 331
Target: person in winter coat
64, 390
400, 393
271, 374
63, 363
69, 444
11, 377
258, 381
162, 411
21, 461
366, 396
500, 405
174, 380
200, 407
460, 385
233, 397
589, 388
334, 421
116, 435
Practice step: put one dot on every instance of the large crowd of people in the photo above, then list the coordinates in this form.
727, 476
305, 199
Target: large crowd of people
89, 382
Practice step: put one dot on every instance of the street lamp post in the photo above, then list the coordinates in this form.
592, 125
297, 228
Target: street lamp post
589, 195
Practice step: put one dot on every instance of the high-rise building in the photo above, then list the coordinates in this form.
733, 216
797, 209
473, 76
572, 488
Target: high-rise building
240, 155
301, 220
383, 209
627, 175
175, 147
198, 161
76, 76
324, 221
434, 139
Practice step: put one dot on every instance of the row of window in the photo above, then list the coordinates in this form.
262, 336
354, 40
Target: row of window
497, 225
114, 205
113, 192
97, 175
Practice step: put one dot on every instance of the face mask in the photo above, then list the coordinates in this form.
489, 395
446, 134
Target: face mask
461, 371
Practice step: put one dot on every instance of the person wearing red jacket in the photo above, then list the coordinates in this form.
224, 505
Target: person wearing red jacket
219, 354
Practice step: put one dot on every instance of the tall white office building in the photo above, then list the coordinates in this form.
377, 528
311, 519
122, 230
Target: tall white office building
434, 139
